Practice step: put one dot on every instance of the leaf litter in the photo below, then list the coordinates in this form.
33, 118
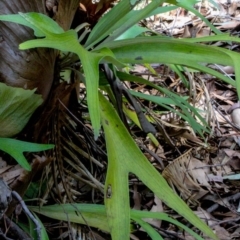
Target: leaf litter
196, 168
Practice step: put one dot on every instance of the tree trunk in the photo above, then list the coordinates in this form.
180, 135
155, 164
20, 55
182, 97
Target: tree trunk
32, 68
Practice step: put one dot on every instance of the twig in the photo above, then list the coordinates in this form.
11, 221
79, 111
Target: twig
215, 206
228, 221
28, 213
3, 236
153, 155
14, 231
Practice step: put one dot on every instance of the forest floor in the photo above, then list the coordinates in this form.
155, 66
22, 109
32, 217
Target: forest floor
203, 171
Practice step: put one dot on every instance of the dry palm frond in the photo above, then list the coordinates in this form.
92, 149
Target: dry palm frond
78, 163
77, 171
188, 181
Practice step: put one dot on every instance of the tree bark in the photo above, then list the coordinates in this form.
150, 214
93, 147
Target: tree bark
32, 68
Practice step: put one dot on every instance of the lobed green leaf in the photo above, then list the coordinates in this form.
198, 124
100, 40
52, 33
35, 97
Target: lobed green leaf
15, 148
124, 157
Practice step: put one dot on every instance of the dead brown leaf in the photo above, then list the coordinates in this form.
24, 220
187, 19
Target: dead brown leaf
188, 175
